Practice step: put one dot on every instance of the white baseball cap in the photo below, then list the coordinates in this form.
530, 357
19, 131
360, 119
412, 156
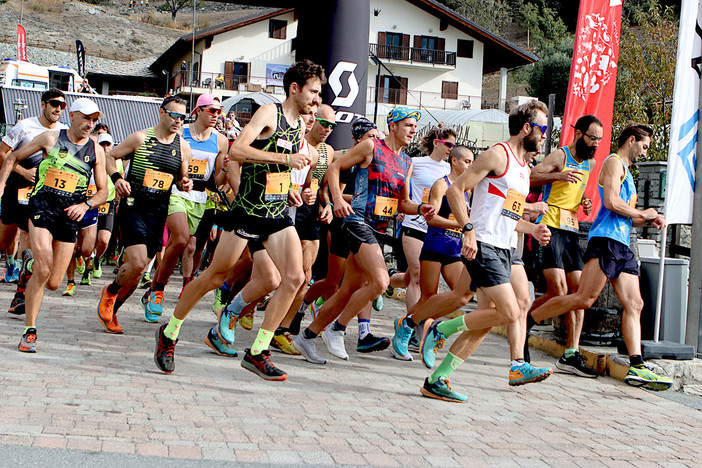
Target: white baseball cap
105, 138
85, 106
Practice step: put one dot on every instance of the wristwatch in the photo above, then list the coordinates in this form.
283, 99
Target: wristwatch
90, 205
467, 227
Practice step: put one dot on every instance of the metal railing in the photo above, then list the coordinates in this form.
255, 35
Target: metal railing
414, 54
417, 99
228, 82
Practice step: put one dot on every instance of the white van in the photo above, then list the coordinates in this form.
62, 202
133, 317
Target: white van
23, 74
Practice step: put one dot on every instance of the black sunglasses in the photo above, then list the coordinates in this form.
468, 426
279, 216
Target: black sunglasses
325, 123
176, 115
57, 103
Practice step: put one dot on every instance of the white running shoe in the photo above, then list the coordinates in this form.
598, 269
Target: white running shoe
335, 342
308, 349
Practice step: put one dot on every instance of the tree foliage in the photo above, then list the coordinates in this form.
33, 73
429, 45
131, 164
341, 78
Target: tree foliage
493, 15
174, 6
646, 75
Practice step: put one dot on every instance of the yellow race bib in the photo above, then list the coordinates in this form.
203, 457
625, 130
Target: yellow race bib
62, 182
314, 185
197, 168
569, 220
91, 191
514, 205
23, 195
385, 206
425, 195
157, 180
277, 186
104, 208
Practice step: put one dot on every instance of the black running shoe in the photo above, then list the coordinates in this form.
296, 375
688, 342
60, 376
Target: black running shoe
413, 344
294, 328
262, 366
25, 272
575, 365
372, 343
164, 352
16, 302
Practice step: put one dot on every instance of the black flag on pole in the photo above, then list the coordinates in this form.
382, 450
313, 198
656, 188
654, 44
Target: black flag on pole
80, 52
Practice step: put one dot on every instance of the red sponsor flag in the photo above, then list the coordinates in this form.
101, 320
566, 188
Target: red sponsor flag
21, 44
593, 79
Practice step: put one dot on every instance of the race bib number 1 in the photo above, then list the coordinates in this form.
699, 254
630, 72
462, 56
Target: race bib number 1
23, 195
157, 180
569, 220
277, 186
60, 181
385, 206
514, 205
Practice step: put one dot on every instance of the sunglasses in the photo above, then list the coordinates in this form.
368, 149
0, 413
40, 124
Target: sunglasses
593, 138
175, 115
325, 123
212, 110
57, 103
447, 143
543, 128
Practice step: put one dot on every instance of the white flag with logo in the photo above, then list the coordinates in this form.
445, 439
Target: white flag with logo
683, 129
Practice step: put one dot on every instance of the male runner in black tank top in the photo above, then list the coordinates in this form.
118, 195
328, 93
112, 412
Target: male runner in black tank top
58, 203
158, 159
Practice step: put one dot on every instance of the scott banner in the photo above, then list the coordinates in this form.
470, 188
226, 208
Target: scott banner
21, 44
683, 127
593, 79
80, 55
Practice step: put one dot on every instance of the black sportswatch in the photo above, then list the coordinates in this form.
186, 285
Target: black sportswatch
467, 227
90, 205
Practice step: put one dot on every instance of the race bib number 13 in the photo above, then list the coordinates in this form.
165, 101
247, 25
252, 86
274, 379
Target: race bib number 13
514, 205
60, 181
385, 206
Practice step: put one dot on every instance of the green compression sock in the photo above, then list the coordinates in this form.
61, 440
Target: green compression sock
173, 328
570, 352
263, 339
449, 327
447, 366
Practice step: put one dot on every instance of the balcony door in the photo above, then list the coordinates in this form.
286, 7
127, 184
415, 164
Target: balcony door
235, 73
392, 90
394, 46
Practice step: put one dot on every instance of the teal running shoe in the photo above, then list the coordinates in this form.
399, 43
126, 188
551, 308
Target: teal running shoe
526, 373
378, 303
218, 346
441, 390
432, 341
152, 302
400, 340
226, 323
645, 377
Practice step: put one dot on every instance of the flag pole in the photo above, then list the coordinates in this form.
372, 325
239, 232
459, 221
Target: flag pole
659, 289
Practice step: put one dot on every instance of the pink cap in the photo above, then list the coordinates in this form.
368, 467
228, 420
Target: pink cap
207, 100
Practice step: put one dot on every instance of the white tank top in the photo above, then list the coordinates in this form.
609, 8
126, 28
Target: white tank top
498, 202
298, 178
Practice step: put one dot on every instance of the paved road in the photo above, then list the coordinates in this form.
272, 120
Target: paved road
101, 397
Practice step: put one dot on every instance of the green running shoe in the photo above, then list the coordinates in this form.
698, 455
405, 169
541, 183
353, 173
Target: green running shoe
145, 280
80, 265
85, 280
441, 390
218, 302
645, 377
97, 271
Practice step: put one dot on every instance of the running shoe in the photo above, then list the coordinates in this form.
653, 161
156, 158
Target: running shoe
645, 377
400, 340
16, 273
85, 280
145, 280
334, 339
152, 302
70, 289
80, 265
526, 373
432, 341
28, 344
413, 345
371, 343
219, 346
315, 307
106, 307
308, 349
441, 390
186, 281
164, 351
283, 343
575, 365
97, 271
247, 320
262, 366
263, 303
113, 326
226, 325
27, 263
7, 274
16, 301
219, 300
378, 303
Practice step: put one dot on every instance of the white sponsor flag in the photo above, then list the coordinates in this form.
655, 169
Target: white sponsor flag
683, 129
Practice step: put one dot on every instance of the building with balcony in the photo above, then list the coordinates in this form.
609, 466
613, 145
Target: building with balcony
421, 54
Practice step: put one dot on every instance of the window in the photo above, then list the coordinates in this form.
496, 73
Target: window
277, 29
449, 90
465, 48
429, 49
235, 74
393, 46
392, 90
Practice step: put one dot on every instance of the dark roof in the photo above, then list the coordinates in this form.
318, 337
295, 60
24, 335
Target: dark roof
184, 43
136, 68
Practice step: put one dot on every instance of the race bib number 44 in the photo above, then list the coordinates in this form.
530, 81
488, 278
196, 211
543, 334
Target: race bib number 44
385, 206
61, 182
514, 205
277, 186
157, 180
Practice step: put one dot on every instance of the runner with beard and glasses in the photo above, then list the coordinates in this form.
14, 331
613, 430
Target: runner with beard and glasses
564, 174
608, 256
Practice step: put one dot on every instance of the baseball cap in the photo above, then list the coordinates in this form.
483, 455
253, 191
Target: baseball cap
105, 138
402, 112
85, 106
207, 100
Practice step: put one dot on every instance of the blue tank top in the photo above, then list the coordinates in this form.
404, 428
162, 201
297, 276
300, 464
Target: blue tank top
378, 187
441, 240
610, 224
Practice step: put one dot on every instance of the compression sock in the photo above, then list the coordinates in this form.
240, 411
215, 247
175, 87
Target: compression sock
237, 305
449, 327
363, 328
518, 362
113, 288
309, 334
570, 352
173, 328
409, 322
636, 360
447, 366
336, 326
263, 339
158, 286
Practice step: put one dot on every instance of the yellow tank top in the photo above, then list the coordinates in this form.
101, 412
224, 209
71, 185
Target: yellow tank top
564, 198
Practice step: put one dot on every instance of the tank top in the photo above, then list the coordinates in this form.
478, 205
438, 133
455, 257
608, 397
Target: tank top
610, 224
152, 172
378, 187
263, 190
564, 198
322, 163
201, 166
445, 241
425, 172
64, 174
297, 180
498, 202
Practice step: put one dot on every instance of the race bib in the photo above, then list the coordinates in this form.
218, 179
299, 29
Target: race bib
197, 168
385, 206
314, 185
632, 201
569, 220
23, 195
514, 205
62, 182
455, 232
104, 208
295, 187
285, 144
425, 195
91, 191
277, 186
157, 180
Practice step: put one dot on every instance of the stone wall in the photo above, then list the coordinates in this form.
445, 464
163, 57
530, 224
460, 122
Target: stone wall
50, 57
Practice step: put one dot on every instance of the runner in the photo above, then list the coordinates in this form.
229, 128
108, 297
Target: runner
58, 204
158, 159
185, 210
382, 169
564, 174
499, 179
608, 256
20, 183
268, 149
106, 211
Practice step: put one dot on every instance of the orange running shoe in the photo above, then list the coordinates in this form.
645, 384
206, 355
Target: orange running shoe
113, 326
105, 308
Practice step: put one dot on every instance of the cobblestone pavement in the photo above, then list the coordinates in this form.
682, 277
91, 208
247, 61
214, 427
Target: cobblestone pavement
89, 391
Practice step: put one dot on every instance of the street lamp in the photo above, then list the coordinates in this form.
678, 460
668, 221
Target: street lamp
19, 105
168, 78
